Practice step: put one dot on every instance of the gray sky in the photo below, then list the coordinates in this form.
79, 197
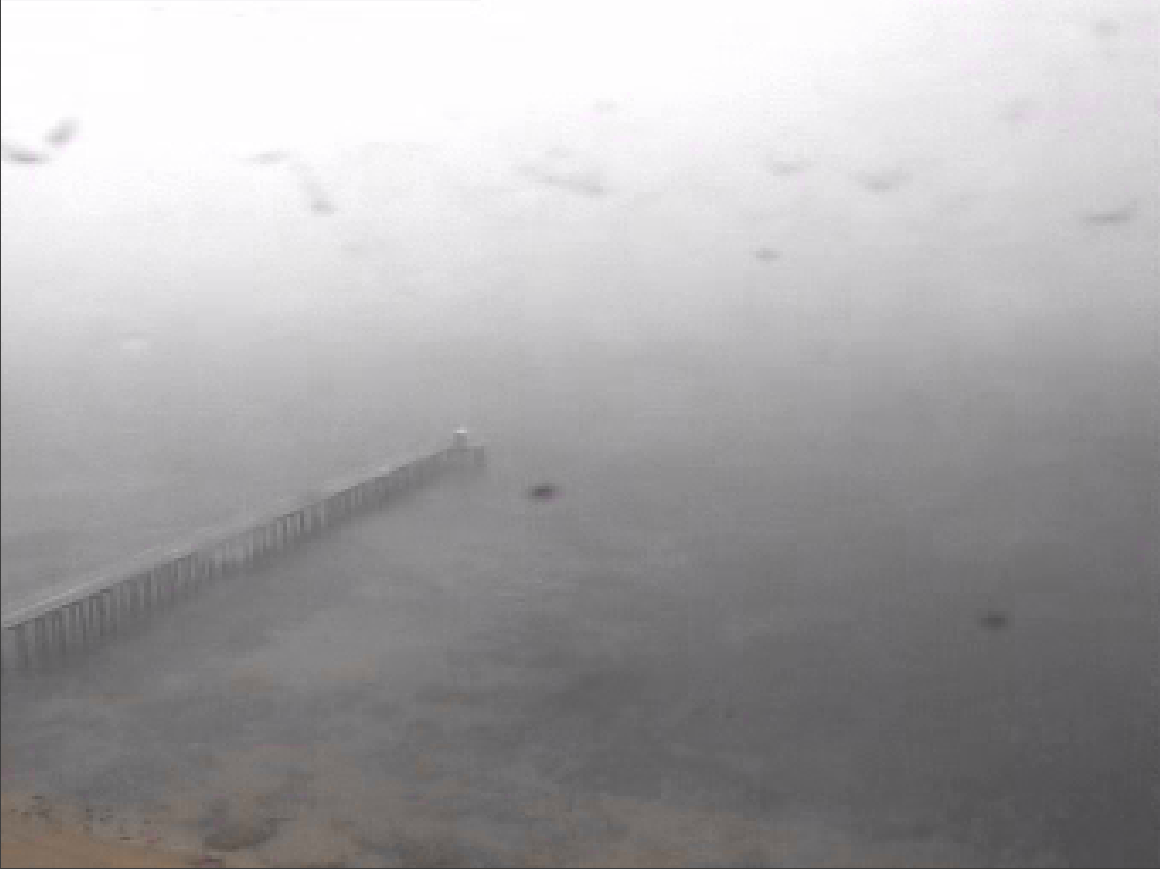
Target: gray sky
504, 163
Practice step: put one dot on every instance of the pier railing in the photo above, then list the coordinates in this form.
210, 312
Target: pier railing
44, 633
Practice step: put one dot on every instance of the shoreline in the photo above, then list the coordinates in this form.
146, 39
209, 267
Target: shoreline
37, 832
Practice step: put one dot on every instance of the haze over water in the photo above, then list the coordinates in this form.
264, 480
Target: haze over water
833, 329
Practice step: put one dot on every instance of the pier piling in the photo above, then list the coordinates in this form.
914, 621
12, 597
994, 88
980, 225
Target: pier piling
47, 632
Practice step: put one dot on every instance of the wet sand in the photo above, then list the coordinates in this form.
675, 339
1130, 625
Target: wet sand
35, 834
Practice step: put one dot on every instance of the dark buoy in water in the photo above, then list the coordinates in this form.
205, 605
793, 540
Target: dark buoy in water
543, 491
993, 620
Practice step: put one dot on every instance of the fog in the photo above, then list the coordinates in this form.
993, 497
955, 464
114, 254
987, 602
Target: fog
833, 327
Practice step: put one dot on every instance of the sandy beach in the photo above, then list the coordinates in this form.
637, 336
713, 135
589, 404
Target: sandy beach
37, 834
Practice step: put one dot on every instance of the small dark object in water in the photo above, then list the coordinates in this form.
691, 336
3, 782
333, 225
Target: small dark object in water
543, 491
993, 620
766, 254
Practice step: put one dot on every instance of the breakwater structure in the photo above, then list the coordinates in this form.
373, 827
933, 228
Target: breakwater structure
78, 617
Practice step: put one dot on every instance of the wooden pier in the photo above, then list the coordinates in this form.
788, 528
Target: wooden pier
45, 633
